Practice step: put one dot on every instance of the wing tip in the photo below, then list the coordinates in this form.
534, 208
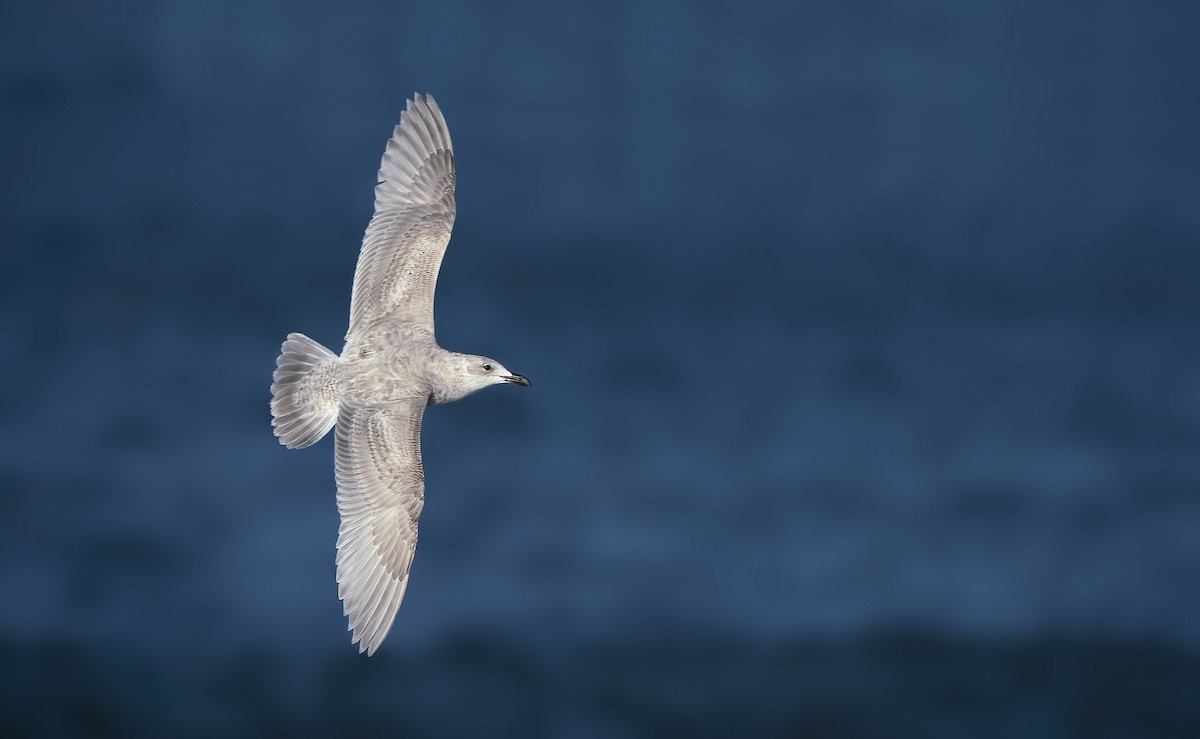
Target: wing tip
429, 114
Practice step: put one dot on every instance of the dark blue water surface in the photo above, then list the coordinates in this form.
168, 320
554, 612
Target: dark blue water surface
865, 340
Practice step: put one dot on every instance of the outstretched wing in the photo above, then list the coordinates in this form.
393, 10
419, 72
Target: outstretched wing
381, 492
414, 213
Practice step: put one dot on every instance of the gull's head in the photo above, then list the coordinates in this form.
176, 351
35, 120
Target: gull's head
476, 372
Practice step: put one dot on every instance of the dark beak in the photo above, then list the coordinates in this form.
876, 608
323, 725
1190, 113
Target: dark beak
518, 380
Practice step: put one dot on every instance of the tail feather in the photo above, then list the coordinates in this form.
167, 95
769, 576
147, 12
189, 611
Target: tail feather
304, 398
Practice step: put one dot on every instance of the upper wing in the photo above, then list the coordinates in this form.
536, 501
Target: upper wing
381, 492
414, 212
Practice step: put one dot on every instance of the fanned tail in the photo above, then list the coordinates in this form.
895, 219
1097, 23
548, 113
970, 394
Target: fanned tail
304, 396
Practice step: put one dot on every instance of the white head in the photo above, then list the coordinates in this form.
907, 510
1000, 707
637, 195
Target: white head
473, 373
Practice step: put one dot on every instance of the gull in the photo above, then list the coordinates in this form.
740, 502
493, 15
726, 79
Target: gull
391, 367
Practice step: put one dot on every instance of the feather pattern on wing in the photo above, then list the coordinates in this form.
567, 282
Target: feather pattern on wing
381, 493
414, 213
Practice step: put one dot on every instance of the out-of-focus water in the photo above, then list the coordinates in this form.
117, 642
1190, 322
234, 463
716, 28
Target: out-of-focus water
863, 338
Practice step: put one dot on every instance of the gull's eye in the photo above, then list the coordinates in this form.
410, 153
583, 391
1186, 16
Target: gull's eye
487, 368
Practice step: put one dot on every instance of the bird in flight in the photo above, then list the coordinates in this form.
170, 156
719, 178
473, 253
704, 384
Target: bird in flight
391, 367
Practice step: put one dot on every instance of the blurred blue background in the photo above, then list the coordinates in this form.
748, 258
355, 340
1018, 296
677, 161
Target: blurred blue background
864, 340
